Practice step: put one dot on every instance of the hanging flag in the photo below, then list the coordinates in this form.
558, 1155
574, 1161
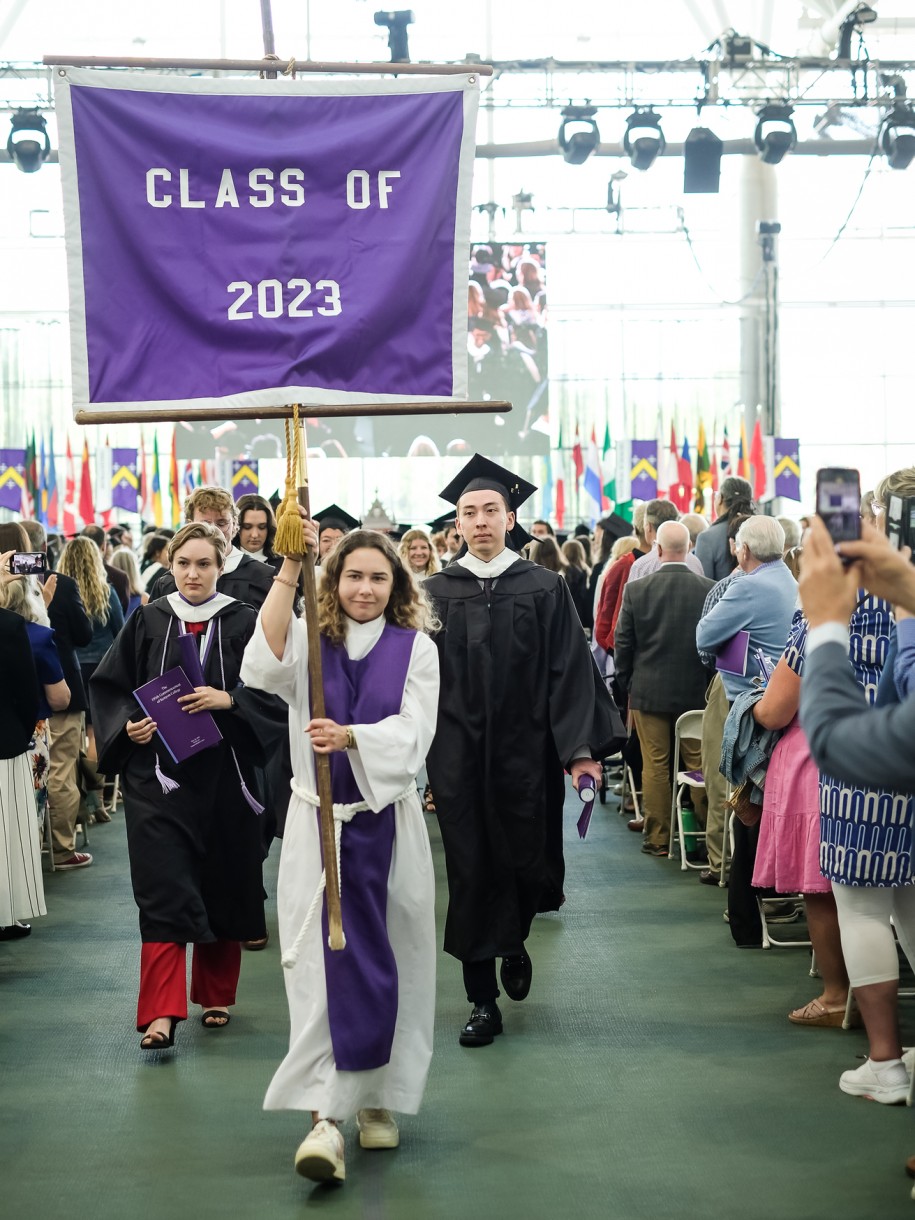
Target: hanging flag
13, 487
787, 468
188, 478
669, 465
643, 470
594, 483
244, 478
30, 503
125, 480
52, 504
560, 503
204, 477
143, 505
680, 493
716, 478
725, 456
546, 489
69, 509
86, 499
41, 499
577, 459
174, 484
608, 465
156, 486
703, 469
743, 456
758, 462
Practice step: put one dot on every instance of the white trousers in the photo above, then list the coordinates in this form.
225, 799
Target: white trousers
868, 944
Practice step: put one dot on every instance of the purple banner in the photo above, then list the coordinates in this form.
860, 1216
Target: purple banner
643, 473
246, 243
12, 479
125, 479
245, 480
787, 468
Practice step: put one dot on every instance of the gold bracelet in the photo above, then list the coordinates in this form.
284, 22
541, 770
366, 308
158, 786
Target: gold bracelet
350, 738
290, 584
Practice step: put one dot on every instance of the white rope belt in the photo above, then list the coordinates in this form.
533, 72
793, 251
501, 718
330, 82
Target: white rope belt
342, 813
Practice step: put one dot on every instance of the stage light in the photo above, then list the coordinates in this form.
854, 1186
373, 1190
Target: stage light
897, 136
862, 15
702, 162
29, 143
775, 134
644, 140
578, 133
396, 22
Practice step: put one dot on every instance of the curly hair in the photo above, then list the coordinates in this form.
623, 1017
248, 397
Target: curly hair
210, 499
433, 563
82, 560
199, 530
408, 605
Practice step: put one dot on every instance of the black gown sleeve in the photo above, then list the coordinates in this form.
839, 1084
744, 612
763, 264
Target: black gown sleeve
113, 703
582, 712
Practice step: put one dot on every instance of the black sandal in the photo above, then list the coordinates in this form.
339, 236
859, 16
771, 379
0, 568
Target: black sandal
217, 1019
428, 800
162, 1040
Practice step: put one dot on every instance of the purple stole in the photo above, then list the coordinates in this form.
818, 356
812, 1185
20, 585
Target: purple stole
362, 978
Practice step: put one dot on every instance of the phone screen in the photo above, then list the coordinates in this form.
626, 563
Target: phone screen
839, 503
28, 563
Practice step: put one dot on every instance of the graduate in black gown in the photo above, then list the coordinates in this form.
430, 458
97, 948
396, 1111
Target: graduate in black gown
193, 829
521, 701
242, 577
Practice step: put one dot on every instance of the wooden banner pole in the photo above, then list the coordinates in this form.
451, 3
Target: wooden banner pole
269, 66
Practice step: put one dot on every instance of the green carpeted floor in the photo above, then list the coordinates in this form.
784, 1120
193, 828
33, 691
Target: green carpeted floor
651, 1073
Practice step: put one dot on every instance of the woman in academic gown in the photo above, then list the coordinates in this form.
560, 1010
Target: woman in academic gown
193, 829
361, 1017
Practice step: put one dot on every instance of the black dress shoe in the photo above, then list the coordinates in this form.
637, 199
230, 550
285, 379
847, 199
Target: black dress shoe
516, 974
708, 877
485, 1022
15, 931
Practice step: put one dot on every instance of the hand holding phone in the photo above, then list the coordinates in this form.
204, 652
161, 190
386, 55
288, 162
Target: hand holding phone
29, 563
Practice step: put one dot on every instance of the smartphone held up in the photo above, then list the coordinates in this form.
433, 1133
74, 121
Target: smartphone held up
839, 502
29, 563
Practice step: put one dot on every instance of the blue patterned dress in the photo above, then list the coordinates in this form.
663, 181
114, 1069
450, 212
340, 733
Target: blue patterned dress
865, 833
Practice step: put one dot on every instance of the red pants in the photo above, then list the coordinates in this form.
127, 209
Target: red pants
215, 967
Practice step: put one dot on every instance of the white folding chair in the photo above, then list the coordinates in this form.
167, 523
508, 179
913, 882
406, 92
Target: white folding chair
768, 940
688, 727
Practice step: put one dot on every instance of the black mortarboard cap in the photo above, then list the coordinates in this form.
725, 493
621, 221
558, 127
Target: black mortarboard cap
481, 474
442, 522
615, 525
335, 517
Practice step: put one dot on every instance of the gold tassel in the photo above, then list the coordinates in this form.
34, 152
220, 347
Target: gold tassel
288, 540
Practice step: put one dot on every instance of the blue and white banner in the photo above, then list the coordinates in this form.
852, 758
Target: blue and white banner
254, 243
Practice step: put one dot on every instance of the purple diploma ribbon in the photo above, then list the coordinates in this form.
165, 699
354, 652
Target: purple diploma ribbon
586, 794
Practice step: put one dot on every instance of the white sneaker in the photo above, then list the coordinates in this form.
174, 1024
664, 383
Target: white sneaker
377, 1129
884, 1082
320, 1154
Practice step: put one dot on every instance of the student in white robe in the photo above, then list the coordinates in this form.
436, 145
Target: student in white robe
361, 1017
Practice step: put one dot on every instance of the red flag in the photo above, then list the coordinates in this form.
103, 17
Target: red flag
560, 502
69, 514
758, 462
577, 459
174, 484
86, 500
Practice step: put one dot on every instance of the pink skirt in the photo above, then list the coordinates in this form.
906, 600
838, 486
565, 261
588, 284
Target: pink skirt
788, 855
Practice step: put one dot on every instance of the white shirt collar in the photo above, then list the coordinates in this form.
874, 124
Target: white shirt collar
495, 567
198, 614
361, 638
233, 559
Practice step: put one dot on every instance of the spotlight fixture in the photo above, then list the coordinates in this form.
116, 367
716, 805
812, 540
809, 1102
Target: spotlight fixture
29, 143
861, 15
396, 22
702, 162
644, 140
775, 134
897, 136
578, 133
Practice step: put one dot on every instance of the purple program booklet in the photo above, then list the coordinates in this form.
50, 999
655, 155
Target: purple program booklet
733, 657
182, 734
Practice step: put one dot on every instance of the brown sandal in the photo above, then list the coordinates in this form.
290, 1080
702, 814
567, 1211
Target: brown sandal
818, 1015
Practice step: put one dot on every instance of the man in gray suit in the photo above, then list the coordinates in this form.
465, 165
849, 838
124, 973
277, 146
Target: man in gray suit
657, 664
848, 739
